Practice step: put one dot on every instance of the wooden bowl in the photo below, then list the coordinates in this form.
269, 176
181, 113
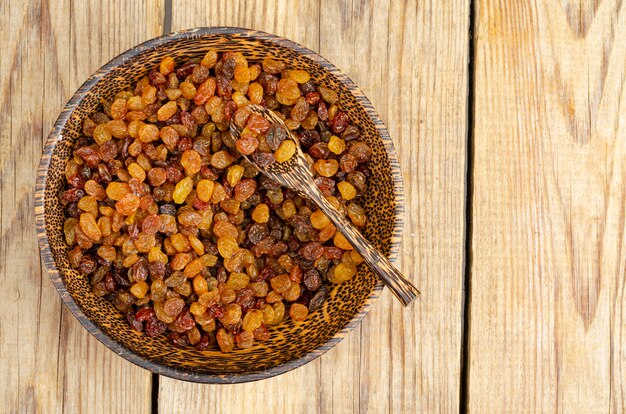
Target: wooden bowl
291, 344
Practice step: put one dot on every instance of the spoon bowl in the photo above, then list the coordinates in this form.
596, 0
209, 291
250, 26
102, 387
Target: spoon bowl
296, 174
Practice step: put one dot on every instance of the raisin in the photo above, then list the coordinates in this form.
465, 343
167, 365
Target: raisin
340, 122
87, 264
322, 112
133, 322
360, 151
89, 155
309, 137
108, 151
298, 312
275, 135
244, 189
224, 87
358, 181
264, 159
319, 150
318, 299
312, 280
311, 251
161, 194
154, 327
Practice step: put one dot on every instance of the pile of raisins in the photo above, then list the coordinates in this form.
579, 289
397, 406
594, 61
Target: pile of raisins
180, 232
273, 144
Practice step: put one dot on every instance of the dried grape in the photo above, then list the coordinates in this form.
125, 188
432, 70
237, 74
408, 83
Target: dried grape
181, 233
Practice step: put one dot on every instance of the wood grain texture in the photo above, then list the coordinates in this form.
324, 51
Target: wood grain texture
49, 363
381, 45
410, 59
294, 391
30, 322
98, 32
547, 303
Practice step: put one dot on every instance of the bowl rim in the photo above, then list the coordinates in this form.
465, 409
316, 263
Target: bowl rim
55, 136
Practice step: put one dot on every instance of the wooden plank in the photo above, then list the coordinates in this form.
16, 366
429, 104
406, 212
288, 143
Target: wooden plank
99, 32
548, 209
30, 322
48, 362
411, 61
296, 391
372, 370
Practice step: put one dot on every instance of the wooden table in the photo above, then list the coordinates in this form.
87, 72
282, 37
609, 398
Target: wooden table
510, 121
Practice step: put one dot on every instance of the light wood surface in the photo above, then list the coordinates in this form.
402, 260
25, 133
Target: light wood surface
543, 309
382, 46
48, 362
547, 277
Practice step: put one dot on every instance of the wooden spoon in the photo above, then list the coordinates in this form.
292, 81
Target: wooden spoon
296, 174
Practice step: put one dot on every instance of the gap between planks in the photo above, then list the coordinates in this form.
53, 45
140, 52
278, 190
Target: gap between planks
469, 206
167, 28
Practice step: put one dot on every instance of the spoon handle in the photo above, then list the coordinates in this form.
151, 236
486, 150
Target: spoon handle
393, 279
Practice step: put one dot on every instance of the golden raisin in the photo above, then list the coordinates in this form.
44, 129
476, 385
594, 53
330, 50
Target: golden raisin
116, 191
167, 65
199, 285
298, 312
108, 253
319, 220
255, 93
300, 76
261, 213
187, 89
191, 162
326, 168
222, 159
341, 242
342, 273
234, 174
204, 189
89, 204
136, 171
148, 133
139, 289
227, 246
281, 283
182, 190
336, 145
328, 95
128, 204
347, 190
194, 267
237, 281
101, 134
89, 227
167, 111
210, 59
232, 314
252, 320
285, 151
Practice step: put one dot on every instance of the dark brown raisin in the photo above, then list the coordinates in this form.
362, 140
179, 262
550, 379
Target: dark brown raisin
312, 280
185, 70
87, 264
178, 340
224, 88
134, 323
154, 327
318, 299
309, 137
